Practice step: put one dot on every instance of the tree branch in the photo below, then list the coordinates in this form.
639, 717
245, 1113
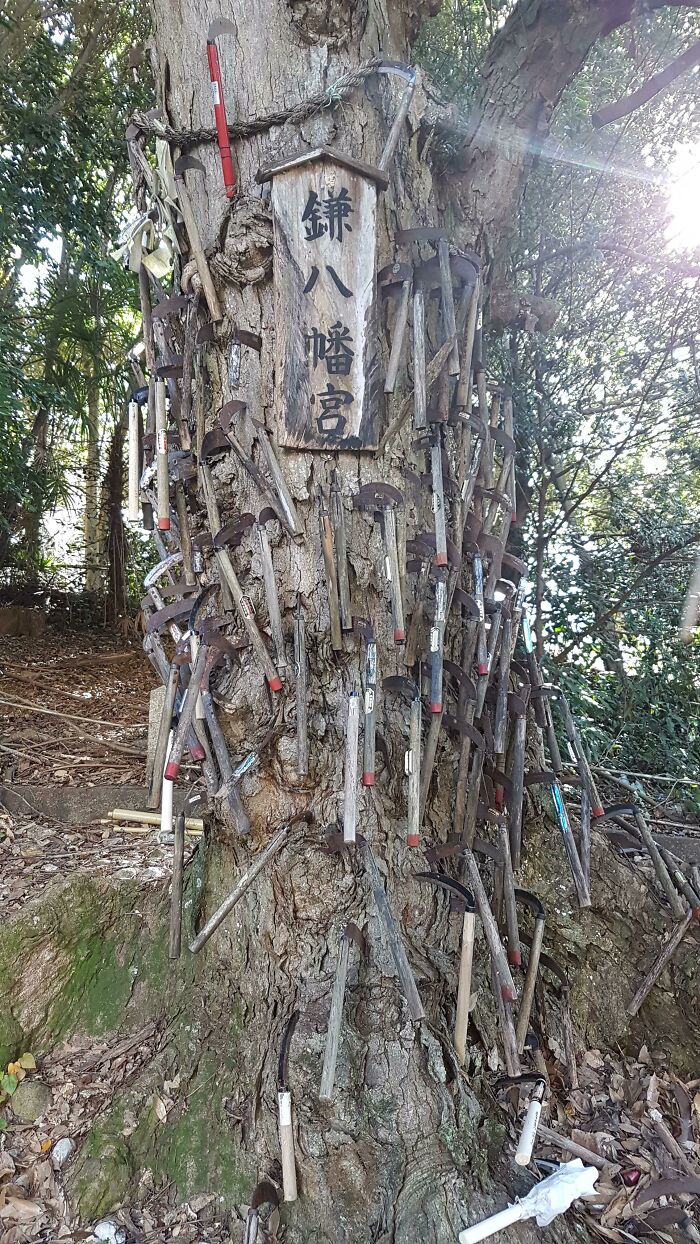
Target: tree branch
653, 85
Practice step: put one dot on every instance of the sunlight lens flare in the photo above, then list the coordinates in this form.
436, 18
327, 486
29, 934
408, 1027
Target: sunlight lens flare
683, 199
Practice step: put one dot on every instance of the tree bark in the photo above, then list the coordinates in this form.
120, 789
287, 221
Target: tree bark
387, 1160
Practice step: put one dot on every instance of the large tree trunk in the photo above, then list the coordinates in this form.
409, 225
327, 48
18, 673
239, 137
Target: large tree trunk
386, 1161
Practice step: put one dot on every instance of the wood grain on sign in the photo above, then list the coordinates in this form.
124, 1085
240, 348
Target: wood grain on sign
326, 354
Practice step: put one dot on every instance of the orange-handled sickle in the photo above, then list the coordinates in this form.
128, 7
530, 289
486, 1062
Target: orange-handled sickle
221, 27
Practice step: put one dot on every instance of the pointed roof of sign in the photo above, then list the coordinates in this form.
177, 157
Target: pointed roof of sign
324, 153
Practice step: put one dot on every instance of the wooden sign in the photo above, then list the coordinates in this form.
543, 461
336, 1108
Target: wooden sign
324, 209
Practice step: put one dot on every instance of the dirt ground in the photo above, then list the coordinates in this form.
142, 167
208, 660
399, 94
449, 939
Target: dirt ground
99, 690
74, 719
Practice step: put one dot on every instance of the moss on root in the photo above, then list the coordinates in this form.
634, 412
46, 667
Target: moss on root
195, 1150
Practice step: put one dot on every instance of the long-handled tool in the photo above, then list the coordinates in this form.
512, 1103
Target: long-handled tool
582, 764
175, 930
284, 1113
212, 647
337, 514
528, 1132
350, 786
493, 940
268, 515
221, 27
301, 683
164, 728
393, 937
229, 577
537, 909
463, 901
272, 846
616, 812
212, 298
351, 933
134, 510
384, 498
331, 572
402, 685
395, 282
162, 476
361, 627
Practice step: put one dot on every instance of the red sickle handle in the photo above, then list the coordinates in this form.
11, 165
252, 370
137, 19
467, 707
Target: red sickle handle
217, 91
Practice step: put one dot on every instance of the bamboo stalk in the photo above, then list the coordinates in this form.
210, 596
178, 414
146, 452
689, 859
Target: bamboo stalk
193, 823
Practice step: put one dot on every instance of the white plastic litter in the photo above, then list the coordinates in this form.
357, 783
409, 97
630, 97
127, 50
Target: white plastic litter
109, 1231
61, 1152
553, 1196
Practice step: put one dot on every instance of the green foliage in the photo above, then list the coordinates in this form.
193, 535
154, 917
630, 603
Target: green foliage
607, 408
67, 309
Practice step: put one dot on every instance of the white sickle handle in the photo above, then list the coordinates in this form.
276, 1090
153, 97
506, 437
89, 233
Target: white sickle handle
526, 1143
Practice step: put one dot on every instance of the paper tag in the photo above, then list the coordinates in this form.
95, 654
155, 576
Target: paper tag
388, 569
369, 701
162, 441
245, 608
284, 1101
464, 489
371, 662
408, 763
434, 639
437, 505
440, 601
215, 94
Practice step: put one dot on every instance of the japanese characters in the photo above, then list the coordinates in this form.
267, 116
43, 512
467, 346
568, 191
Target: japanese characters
324, 211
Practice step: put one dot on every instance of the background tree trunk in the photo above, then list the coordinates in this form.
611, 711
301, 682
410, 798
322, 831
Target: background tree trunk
91, 519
